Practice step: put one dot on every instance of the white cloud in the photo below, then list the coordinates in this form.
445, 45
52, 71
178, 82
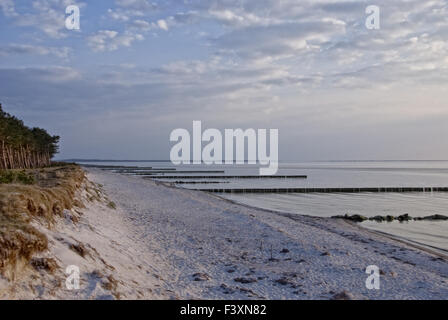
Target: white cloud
48, 16
141, 25
111, 40
127, 9
162, 24
137, 4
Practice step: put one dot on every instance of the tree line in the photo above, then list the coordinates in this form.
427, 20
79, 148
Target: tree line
22, 147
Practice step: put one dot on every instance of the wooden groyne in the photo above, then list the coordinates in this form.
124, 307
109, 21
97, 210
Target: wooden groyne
110, 167
328, 190
228, 177
143, 170
199, 182
151, 173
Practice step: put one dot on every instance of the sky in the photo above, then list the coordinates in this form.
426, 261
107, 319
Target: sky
138, 69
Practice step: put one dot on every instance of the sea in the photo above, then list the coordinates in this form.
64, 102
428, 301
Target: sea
326, 175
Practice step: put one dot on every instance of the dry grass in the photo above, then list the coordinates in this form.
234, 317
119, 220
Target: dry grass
48, 264
112, 205
53, 192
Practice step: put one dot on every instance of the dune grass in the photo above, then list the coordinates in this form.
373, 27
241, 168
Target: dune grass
38, 194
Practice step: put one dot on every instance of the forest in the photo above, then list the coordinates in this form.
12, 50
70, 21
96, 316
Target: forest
22, 147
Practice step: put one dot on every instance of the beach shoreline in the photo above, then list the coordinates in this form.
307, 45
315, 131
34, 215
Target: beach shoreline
280, 256
433, 251
158, 241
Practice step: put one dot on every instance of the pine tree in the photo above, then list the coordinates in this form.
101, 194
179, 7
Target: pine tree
22, 147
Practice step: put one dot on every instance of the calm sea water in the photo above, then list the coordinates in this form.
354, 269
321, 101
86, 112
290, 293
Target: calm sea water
342, 174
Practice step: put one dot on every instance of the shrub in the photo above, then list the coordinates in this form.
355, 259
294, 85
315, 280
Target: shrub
12, 176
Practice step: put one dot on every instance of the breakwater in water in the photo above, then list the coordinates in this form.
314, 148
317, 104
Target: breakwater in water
230, 177
327, 190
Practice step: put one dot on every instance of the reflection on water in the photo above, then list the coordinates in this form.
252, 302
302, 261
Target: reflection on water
432, 233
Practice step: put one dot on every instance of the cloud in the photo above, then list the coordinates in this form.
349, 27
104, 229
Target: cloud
147, 103
326, 36
118, 15
110, 40
47, 16
236, 19
141, 5
145, 26
162, 24
8, 8
309, 67
280, 40
15, 49
29, 76
142, 25
127, 9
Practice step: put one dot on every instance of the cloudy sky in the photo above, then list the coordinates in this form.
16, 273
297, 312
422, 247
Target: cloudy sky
137, 69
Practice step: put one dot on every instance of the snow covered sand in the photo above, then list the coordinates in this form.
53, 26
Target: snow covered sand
167, 243
197, 246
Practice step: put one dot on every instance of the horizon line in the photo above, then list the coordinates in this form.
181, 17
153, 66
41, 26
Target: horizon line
341, 160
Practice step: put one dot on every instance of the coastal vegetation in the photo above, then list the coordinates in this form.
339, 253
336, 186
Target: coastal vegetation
51, 193
23, 147
32, 189
16, 176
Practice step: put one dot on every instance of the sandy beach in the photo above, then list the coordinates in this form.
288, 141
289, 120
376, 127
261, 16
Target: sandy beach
160, 242
164, 242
